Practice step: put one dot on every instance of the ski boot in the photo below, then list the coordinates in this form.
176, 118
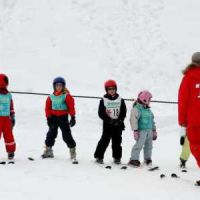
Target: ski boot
48, 152
182, 164
11, 155
117, 161
134, 163
72, 152
99, 160
148, 162
197, 183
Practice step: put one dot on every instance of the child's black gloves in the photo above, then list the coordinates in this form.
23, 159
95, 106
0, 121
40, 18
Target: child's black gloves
72, 121
182, 140
50, 121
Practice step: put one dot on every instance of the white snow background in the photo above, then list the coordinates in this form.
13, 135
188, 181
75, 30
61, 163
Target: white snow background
142, 44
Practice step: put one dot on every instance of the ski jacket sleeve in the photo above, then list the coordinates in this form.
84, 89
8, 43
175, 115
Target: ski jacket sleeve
135, 115
70, 105
154, 124
12, 111
183, 99
123, 110
102, 112
48, 107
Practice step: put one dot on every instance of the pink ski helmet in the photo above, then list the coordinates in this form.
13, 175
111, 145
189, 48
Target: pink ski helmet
145, 97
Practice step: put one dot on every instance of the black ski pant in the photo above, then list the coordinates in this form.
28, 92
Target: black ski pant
110, 133
61, 122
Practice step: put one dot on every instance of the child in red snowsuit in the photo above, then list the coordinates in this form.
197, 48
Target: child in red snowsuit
189, 105
7, 116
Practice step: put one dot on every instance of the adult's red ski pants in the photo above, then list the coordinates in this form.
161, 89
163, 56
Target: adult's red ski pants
193, 134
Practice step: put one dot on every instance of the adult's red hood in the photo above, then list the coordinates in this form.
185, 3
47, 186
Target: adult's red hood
3, 81
194, 72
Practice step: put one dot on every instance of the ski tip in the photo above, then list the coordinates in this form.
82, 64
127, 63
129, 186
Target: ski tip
184, 170
124, 167
173, 175
153, 168
162, 176
2, 162
197, 183
108, 167
11, 162
31, 159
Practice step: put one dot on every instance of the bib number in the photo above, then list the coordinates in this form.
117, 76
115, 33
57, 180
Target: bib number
113, 113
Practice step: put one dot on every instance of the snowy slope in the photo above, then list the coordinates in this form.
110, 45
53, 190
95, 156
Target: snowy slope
142, 44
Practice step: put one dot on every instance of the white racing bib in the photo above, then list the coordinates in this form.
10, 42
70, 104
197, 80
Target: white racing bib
112, 107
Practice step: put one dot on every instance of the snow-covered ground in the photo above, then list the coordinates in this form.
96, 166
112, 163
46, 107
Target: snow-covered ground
142, 44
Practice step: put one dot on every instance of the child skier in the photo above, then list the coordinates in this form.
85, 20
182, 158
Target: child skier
144, 129
189, 105
7, 117
59, 105
185, 152
112, 110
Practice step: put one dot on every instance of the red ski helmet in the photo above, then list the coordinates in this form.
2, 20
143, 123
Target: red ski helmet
145, 97
3, 81
110, 83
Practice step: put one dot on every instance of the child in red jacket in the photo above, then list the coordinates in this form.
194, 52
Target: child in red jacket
59, 105
7, 117
189, 105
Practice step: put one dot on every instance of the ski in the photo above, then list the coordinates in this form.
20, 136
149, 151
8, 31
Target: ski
7, 162
112, 165
197, 183
11, 162
31, 158
2, 162
121, 166
184, 170
162, 176
175, 176
151, 169
108, 167
73, 161
124, 167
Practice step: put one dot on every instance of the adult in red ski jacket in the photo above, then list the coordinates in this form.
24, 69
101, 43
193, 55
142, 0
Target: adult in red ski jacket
7, 116
189, 105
